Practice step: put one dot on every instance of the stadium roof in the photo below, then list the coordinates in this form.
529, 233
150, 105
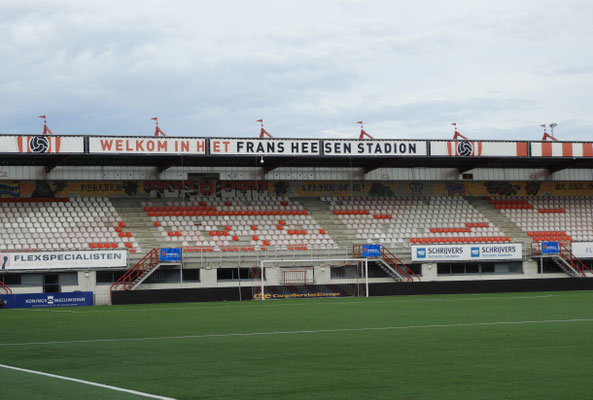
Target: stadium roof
53, 151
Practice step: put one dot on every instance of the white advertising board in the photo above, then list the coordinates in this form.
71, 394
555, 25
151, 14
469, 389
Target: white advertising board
561, 149
374, 148
63, 260
146, 145
469, 148
582, 249
41, 144
467, 252
263, 147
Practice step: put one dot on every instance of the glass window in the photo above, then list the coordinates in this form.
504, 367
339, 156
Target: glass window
11, 279
191, 275
231, 274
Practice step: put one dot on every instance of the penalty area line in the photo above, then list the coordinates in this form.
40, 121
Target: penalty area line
89, 383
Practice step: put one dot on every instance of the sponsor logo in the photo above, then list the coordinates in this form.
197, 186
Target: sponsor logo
38, 144
170, 254
308, 295
4, 262
371, 250
550, 248
465, 148
466, 252
421, 252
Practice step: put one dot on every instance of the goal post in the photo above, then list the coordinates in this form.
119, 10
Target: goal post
312, 278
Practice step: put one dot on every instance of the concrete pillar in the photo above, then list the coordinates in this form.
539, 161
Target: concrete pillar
429, 272
530, 269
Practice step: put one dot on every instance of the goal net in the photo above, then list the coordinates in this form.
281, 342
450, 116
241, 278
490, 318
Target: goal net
321, 278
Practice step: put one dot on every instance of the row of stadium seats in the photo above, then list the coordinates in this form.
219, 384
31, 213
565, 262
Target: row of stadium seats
245, 225
223, 224
557, 218
406, 220
63, 224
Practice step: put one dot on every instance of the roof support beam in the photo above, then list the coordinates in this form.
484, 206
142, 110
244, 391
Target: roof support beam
270, 165
573, 163
50, 167
479, 163
162, 167
389, 164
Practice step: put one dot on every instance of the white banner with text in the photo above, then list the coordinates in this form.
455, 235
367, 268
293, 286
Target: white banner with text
151, 145
63, 260
468, 252
265, 147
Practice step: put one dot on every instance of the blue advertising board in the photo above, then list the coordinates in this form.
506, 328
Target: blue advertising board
45, 300
549, 247
170, 254
371, 250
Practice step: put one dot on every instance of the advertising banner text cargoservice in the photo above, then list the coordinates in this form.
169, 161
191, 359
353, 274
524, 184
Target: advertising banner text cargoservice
146, 145
63, 260
468, 252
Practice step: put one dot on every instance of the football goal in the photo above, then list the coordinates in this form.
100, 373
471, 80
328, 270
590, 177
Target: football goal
311, 278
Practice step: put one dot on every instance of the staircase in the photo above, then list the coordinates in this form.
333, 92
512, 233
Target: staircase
4, 289
390, 264
138, 223
320, 211
570, 264
564, 259
508, 227
138, 273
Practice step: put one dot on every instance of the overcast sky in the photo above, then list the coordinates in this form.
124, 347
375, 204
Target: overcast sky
308, 68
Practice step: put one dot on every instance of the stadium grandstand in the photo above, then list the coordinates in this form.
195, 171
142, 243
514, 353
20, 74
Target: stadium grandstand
148, 219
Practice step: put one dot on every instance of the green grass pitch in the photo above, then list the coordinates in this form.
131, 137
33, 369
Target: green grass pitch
488, 346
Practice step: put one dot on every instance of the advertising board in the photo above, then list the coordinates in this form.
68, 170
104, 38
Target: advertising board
467, 252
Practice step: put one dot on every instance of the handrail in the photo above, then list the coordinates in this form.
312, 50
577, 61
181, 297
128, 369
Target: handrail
3, 286
136, 272
571, 258
565, 253
398, 263
391, 259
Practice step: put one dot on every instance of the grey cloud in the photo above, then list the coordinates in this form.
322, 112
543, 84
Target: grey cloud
308, 68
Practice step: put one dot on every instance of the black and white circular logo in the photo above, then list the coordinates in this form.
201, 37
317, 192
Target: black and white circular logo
465, 148
39, 144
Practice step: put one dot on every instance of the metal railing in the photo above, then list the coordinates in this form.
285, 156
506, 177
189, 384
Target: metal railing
565, 255
400, 268
138, 271
5, 288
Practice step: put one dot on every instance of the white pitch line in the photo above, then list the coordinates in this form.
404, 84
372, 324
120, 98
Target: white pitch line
66, 378
223, 335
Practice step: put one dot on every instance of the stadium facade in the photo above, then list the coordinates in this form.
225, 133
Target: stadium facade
444, 215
